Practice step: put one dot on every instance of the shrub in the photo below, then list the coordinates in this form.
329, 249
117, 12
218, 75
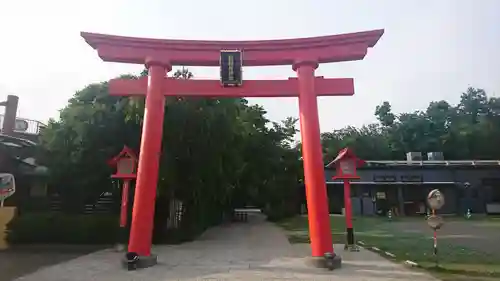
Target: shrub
31, 228
280, 210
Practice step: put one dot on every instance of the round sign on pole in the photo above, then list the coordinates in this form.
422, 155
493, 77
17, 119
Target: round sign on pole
435, 199
435, 222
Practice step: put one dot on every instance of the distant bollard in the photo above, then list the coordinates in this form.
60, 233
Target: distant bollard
468, 214
389, 215
240, 215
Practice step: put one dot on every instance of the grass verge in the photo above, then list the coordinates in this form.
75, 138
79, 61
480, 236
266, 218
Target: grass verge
454, 262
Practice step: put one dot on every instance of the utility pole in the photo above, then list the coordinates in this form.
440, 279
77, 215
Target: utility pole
9, 118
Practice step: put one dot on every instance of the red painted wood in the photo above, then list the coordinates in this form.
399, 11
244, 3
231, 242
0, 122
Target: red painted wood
141, 231
124, 176
314, 174
125, 152
347, 204
250, 88
347, 154
334, 48
303, 54
124, 205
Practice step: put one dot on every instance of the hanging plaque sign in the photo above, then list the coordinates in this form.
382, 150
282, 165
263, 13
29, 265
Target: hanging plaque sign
231, 63
348, 167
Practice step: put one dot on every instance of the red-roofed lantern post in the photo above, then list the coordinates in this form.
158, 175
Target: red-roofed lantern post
125, 164
346, 163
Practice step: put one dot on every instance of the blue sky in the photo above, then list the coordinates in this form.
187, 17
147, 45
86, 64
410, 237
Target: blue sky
431, 50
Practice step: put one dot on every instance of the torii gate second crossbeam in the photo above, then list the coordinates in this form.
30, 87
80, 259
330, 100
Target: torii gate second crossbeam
250, 89
303, 54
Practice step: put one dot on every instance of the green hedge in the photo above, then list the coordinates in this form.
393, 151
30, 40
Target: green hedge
280, 210
31, 228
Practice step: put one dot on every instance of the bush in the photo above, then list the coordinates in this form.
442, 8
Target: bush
33, 228
195, 220
279, 211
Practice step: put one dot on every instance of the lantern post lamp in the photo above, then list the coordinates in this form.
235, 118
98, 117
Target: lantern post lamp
125, 164
346, 163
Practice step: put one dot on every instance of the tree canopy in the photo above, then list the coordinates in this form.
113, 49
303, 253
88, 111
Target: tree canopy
217, 154
467, 130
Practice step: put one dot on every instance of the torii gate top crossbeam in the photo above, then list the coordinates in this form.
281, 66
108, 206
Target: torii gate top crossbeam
324, 49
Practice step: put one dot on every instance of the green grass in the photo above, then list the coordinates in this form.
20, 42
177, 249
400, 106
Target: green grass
418, 247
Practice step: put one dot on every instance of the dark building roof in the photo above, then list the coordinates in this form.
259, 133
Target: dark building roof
20, 153
427, 164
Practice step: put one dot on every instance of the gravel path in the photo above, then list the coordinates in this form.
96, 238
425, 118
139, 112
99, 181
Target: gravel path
256, 250
27, 259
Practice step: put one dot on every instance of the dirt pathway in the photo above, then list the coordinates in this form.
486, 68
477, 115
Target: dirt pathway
257, 250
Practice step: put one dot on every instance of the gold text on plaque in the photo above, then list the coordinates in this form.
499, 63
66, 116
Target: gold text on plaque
230, 62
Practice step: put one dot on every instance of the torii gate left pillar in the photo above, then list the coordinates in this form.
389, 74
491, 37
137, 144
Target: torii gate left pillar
303, 54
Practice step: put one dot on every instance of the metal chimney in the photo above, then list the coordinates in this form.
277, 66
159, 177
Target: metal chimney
435, 156
413, 156
9, 119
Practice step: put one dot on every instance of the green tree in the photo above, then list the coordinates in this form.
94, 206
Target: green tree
465, 131
217, 154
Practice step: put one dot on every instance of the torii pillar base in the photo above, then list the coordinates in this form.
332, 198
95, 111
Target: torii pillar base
142, 262
332, 263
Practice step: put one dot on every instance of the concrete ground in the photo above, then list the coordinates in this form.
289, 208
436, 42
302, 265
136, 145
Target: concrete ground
256, 250
479, 235
20, 261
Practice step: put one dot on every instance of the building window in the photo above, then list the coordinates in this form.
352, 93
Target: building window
380, 195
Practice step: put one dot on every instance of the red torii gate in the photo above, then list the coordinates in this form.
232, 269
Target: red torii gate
303, 54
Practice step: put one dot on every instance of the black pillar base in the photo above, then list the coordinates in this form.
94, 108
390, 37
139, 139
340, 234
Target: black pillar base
335, 262
124, 235
142, 262
351, 248
351, 244
350, 236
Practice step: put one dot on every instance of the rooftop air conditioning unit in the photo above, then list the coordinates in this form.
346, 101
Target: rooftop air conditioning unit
414, 156
435, 156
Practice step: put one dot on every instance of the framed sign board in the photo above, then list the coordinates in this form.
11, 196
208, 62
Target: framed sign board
411, 178
384, 178
231, 64
126, 166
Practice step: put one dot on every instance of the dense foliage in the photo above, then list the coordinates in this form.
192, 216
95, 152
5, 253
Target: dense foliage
469, 130
44, 228
217, 154
220, 154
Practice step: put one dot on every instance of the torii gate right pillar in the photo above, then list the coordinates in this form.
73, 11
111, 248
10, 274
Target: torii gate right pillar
317, 199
